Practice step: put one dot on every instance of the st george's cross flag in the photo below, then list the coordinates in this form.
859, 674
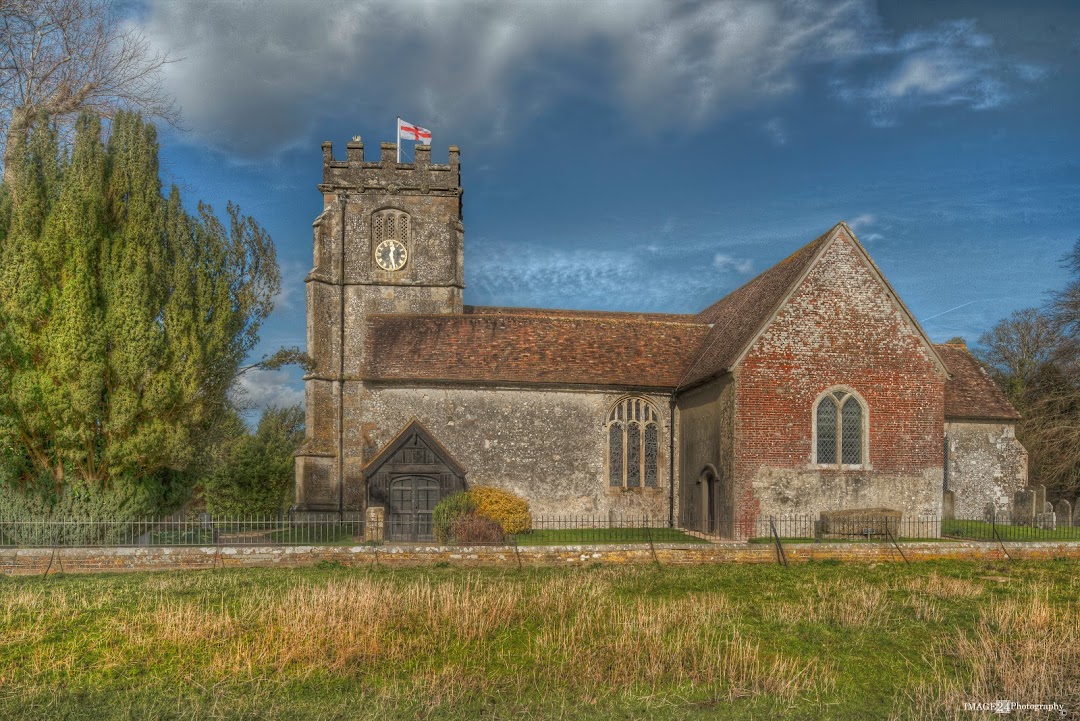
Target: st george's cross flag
408, 131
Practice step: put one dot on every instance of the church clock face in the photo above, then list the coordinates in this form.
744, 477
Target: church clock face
391, 255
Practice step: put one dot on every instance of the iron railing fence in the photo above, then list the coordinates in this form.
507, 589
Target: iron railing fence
858, 527
326, 529
192, 531
330, 529
1001, 526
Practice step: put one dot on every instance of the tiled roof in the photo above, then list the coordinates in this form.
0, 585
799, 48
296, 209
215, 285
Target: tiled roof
595, 314
971, 393
737, 317
575, 348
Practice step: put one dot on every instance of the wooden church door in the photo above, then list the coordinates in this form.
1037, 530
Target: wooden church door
412, 499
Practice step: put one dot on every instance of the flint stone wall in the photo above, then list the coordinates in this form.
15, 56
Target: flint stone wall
987, 465
545, 445
38, 561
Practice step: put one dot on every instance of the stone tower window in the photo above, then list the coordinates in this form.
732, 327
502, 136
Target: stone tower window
387, 224
840, 429
632, 431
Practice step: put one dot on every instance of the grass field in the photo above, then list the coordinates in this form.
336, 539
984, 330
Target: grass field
983, 530
745, 642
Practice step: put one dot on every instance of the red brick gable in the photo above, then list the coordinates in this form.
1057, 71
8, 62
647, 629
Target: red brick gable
970, 393
841, 326
574, 349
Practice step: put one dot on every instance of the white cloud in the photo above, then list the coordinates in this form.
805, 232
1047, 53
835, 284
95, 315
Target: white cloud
951, 65
257, 76
259, 388
860, 222
777, 131
646, 278
726, 263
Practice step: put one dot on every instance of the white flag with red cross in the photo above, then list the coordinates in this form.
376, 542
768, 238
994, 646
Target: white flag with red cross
408, 131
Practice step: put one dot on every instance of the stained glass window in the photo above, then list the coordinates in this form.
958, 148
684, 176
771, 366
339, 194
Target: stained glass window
840, 431
633, 440
851, 432
652, 452
826, 431
615, 454
633, 454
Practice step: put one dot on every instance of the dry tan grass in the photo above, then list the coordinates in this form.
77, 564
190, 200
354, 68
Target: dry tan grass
440, 640
1025, 650
943, 587
849, 603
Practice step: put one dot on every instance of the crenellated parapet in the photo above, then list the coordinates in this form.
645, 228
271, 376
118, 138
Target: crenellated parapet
421, 176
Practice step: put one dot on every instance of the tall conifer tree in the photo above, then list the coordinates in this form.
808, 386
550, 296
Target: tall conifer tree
123, 322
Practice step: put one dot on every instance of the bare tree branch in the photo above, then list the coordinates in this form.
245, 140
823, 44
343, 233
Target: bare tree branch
61, 57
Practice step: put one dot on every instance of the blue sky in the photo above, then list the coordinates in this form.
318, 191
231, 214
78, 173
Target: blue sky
654, 155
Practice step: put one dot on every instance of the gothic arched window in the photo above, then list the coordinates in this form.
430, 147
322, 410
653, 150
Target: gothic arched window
840, 429
389, 224
632, 431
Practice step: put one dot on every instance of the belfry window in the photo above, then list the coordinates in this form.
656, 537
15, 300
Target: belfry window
632, 431
389, 224
840, 431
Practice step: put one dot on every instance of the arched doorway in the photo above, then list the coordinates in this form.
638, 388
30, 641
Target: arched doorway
716, 504
412, 499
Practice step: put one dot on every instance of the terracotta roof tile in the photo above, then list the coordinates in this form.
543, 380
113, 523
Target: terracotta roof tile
586, 349
971, 393
561, 313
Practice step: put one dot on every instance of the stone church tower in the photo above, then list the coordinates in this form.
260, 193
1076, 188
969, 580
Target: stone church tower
389, 240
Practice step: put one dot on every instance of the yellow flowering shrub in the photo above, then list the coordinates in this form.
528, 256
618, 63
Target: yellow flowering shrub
509, 511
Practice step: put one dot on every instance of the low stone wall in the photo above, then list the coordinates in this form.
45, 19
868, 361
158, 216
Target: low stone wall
26, 561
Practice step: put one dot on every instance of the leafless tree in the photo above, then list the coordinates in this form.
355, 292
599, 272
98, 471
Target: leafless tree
62, 57
1019, 349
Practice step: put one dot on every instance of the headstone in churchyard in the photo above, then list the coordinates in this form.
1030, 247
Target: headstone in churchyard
1063, 511
1046, 521
948, 505
1024, 507
1040, 497
1048, 507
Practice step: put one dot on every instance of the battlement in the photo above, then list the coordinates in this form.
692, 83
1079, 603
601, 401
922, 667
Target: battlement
421, 175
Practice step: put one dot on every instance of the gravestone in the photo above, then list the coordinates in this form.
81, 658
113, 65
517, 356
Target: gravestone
1023, 511
948, 505
1063, 511
1046, 521
1040, 498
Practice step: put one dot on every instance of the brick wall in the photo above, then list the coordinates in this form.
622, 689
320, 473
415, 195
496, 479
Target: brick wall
840, 328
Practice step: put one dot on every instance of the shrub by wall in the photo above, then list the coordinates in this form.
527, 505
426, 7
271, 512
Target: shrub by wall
474, 528
511, 512
446, 512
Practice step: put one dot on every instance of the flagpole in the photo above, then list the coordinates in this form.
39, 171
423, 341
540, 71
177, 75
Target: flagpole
399, 139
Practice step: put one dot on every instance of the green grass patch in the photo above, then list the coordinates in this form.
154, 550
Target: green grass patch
580, 536
815, 640
985, 531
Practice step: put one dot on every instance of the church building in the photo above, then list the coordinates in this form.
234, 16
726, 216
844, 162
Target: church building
810, 388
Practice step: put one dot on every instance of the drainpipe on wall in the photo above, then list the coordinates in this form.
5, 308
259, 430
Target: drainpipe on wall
671, 462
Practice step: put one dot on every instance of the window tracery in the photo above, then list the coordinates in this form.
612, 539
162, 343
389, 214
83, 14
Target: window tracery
633, 444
